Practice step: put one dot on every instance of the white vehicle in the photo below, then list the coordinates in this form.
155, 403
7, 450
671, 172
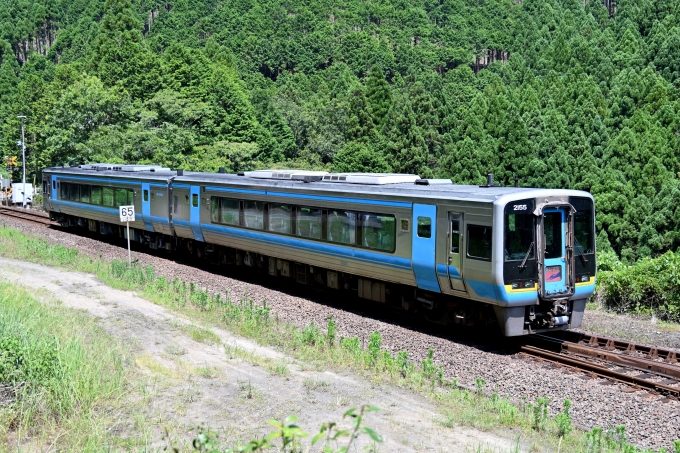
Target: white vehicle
18, 194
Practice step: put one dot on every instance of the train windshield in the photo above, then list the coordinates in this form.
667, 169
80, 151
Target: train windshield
519, 236
583, 232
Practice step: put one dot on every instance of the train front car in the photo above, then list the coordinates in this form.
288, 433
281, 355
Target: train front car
544, 265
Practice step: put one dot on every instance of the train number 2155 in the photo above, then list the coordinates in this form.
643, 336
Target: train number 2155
519, 207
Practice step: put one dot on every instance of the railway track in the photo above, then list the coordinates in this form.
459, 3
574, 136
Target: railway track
640, 367
27, 214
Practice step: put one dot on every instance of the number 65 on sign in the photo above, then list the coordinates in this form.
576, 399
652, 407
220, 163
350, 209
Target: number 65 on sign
127, 213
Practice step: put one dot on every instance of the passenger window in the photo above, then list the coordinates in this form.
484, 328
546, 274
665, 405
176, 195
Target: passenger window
146, 195
194, 200
230, 211
73, 192
121, 197
63, 189
424, 227
253, 214
280, 218
479, 242
341, 226
54, 185
107, 196
96, 195
378, 231
455, 236
309, 223
85, 194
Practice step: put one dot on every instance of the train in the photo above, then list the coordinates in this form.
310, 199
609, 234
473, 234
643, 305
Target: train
522, 259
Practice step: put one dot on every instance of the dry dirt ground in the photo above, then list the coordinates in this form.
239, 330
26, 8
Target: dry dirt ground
235, 386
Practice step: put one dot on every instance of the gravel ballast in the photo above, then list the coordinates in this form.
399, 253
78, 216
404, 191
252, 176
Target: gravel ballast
650, 420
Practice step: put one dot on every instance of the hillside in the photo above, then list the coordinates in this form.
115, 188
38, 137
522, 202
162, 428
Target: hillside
561, 94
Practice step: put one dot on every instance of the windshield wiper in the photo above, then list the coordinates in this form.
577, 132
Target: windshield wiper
580, 251
526, 257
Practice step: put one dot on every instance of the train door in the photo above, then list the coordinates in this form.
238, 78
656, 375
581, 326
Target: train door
195, 212
146, 206
454, 268
557, 240
423, 247
53, 194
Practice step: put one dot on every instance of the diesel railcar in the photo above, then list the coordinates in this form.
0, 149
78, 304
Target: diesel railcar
523, 258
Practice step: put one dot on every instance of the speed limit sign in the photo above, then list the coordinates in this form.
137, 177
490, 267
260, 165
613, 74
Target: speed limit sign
127, 213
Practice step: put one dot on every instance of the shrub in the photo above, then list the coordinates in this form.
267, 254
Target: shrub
652, 285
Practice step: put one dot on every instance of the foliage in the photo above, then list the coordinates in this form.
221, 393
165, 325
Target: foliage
561, 94
563, 420
58, 371
540, 411
652, 285
290, 434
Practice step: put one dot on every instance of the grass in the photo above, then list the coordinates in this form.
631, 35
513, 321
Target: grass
201, 335
318, 347
68, 375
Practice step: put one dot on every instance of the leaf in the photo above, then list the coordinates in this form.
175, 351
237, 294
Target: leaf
350, 413
375, 436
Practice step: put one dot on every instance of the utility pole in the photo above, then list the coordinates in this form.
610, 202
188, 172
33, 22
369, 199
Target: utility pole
23, 162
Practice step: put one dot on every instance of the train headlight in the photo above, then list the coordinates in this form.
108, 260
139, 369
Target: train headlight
524, 284
583, 278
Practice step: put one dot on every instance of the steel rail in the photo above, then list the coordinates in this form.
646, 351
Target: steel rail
25, 214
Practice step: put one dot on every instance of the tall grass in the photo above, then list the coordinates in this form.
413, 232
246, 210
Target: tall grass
60, 371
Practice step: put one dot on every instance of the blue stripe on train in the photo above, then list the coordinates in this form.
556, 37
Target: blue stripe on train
296, 243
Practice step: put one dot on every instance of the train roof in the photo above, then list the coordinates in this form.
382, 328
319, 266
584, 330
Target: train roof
386, 184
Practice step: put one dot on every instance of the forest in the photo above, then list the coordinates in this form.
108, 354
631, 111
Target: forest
561, 93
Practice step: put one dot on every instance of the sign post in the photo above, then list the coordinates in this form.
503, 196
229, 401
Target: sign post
127, 215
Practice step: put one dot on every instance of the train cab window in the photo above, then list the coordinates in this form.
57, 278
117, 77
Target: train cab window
455, 236
280, 218
194, 200
479, 242
424, 227
253, 214
84, 193
145, 194
73, 192
63, 190
341, 226
583, 232
309, 222
519, 236
107, 196
54, 184
96, 195
378, 231
552, 228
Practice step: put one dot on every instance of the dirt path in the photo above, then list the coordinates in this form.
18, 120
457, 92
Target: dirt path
234, 385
